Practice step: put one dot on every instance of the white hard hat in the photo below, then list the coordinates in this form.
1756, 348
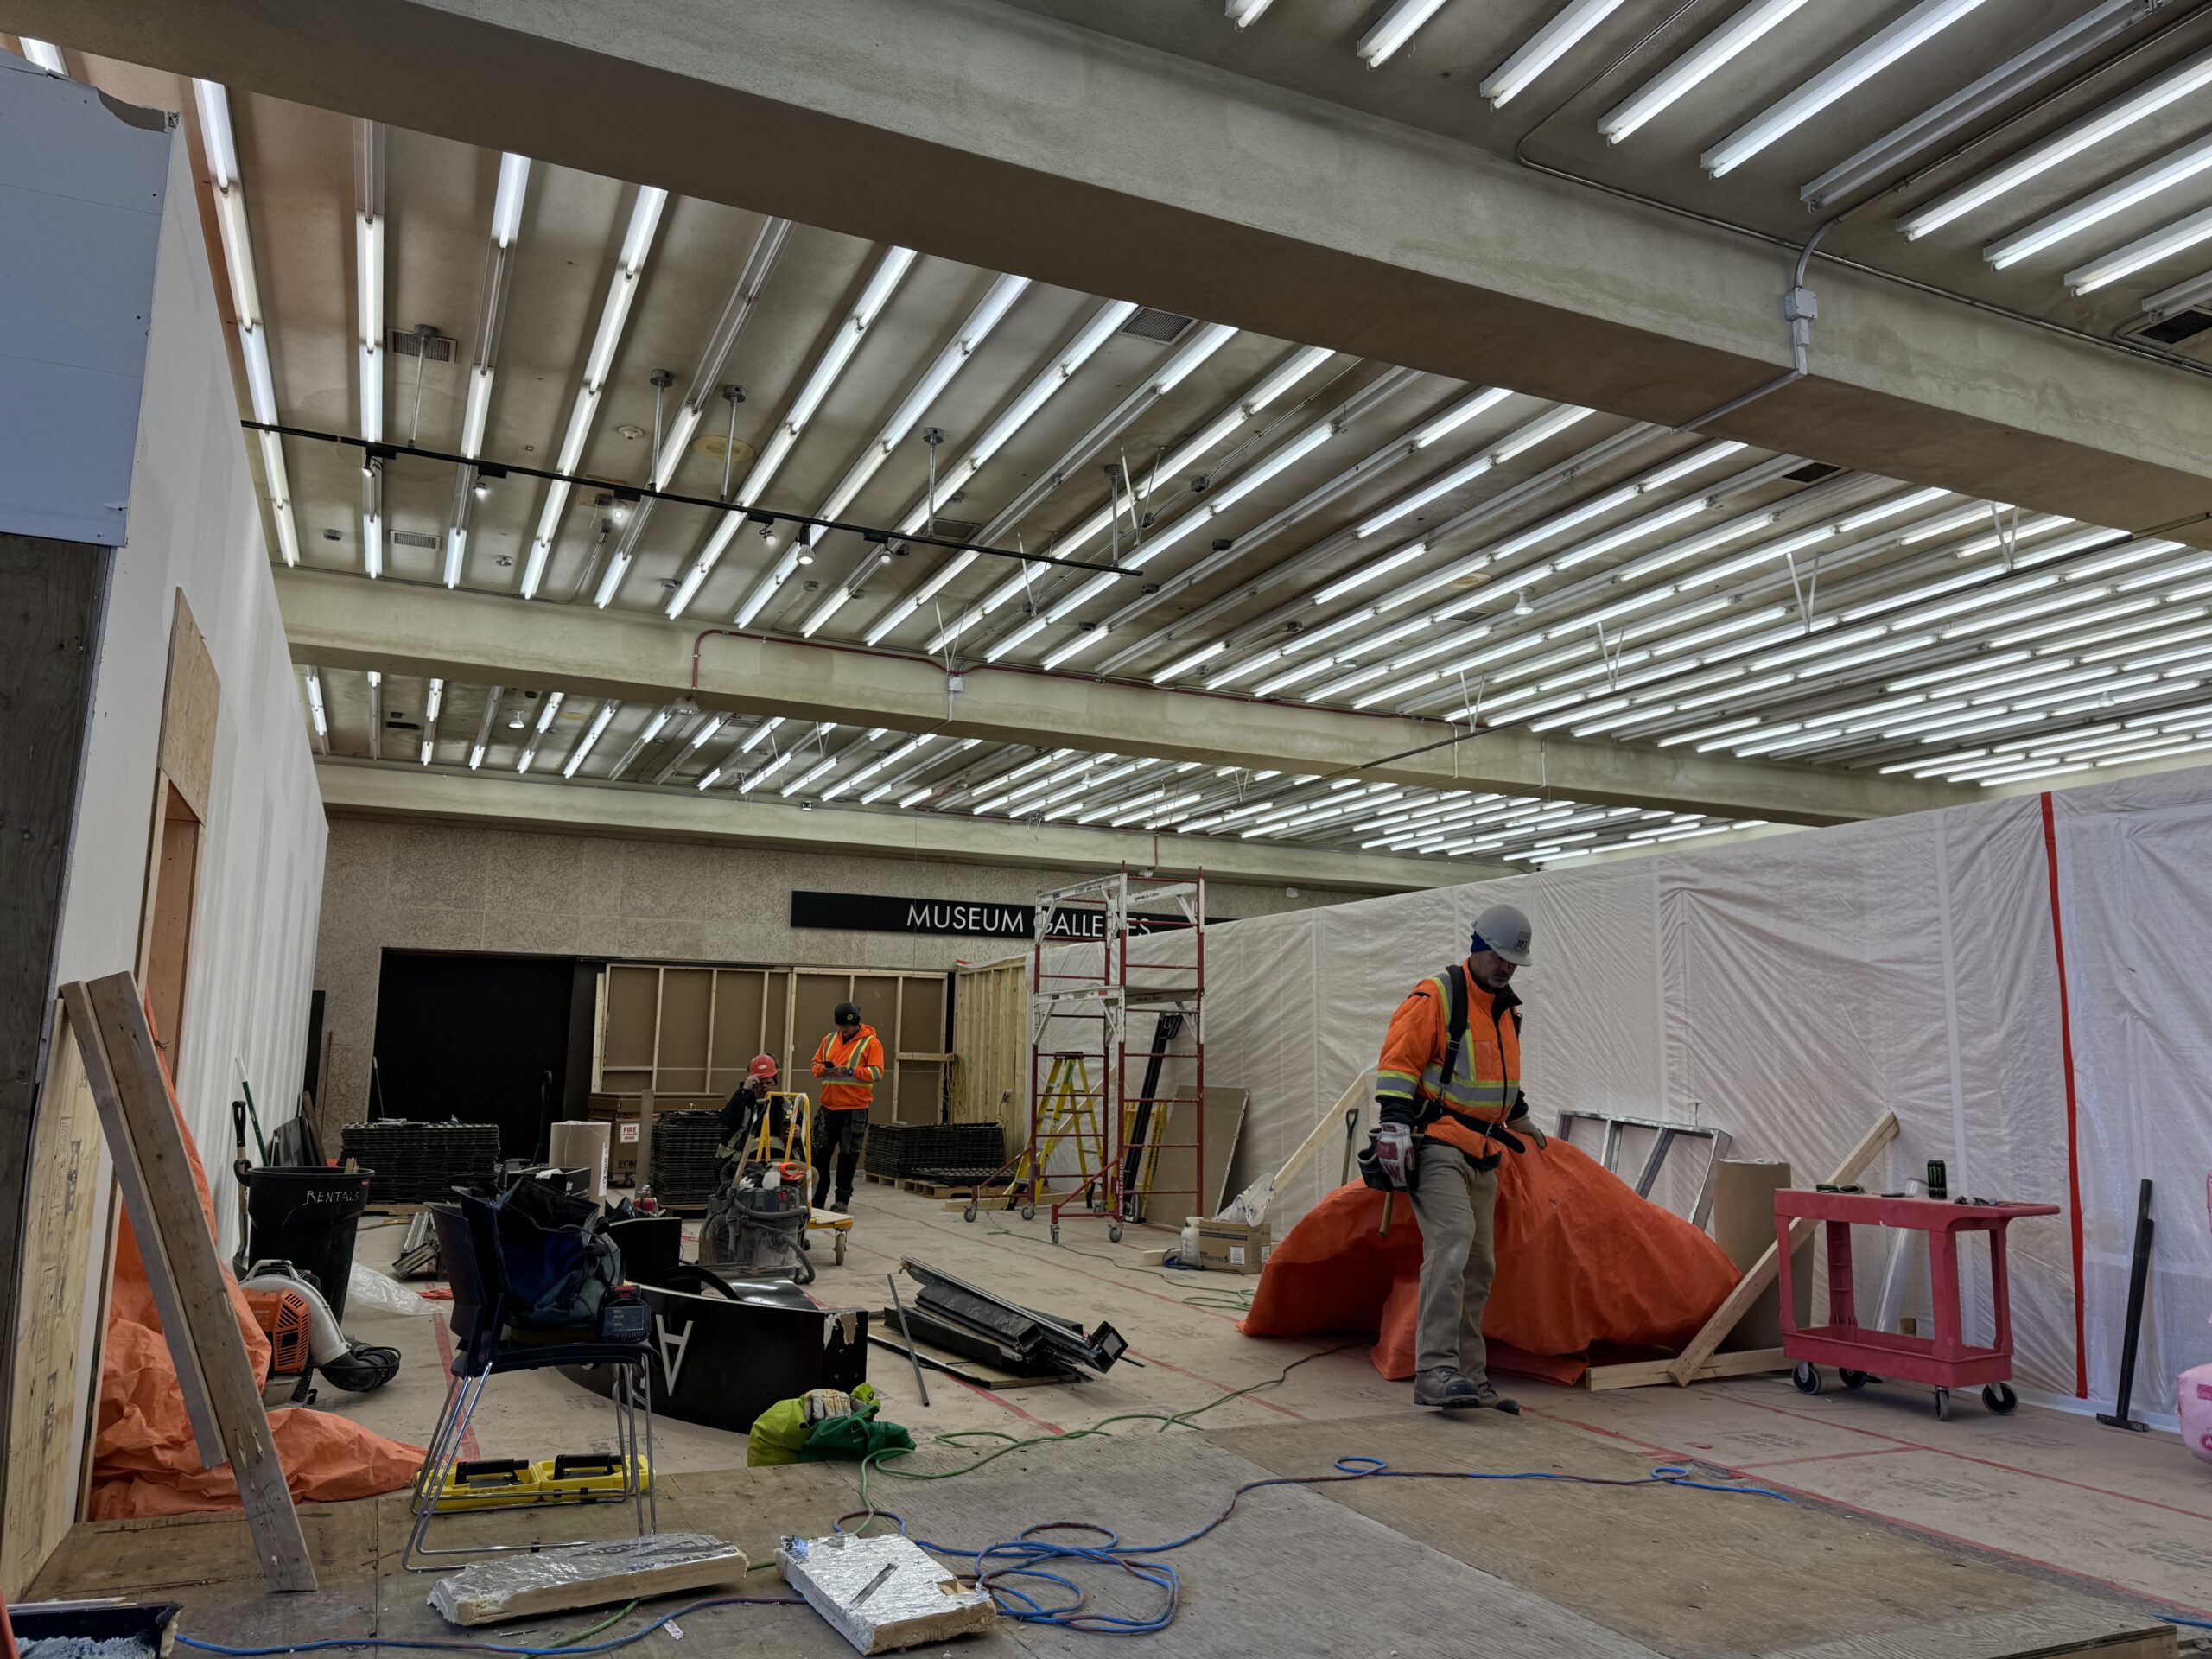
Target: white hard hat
1504, 929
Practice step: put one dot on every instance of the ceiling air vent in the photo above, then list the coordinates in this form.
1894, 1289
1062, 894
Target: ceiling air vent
1163, 326
953, 530
423, 342
413, 539
1813, 471
2172, 331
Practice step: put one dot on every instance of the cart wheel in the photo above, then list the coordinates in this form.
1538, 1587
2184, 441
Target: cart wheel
968, 1214
1943, 1405
1807, 1377
1056, 1232
1854, 1379
841, 1250
1028, 1211
1114, 1232
1999, 1397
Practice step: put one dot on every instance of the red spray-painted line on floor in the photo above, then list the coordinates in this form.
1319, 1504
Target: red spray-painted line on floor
2073, 1144
1250, 1400
1968, 1457
469, 1451
2134, 1593
996, 1398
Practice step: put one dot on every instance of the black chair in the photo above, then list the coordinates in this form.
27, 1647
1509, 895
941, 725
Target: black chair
468, 1247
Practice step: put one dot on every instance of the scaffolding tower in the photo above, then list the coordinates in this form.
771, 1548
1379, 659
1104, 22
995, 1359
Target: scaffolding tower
1100, 975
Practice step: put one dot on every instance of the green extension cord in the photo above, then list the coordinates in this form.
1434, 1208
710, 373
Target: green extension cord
960, 1438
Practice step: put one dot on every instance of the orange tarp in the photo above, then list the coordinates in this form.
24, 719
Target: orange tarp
144, 1461
1581, 1262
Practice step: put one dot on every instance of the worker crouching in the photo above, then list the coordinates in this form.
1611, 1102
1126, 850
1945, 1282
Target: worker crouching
1449, 1098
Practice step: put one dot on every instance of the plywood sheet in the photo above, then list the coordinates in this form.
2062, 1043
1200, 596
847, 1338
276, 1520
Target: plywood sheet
1175, 1176
188, 711
680, 1057
741, 1000
627, 1039
44, 1434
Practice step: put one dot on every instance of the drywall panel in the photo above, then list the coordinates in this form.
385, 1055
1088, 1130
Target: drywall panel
196, 528
82, 187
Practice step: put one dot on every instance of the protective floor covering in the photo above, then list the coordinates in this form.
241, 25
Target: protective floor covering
1372, 1567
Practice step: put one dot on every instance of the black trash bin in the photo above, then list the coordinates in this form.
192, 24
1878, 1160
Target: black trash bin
308, 1217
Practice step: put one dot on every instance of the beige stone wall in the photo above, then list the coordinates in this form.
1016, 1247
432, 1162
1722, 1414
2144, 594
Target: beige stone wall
392, 884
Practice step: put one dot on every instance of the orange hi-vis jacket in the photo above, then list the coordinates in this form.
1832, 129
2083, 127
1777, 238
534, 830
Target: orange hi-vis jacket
865, 1055
1485, 1091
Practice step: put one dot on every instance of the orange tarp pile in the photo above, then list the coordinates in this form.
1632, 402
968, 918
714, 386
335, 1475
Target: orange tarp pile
144, 1461
1582, 1262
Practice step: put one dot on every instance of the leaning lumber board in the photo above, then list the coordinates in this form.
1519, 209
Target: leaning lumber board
1645, 1373
1251, 1205
222, 1397
1687, 1364
586, 1575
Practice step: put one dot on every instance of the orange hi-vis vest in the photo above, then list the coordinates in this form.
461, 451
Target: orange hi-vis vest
864, 1054
1485, 1089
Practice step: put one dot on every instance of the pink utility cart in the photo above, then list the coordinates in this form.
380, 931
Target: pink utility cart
1945, 1360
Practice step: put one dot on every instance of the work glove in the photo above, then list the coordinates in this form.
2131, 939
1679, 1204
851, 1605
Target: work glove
1521, 1121
1387, 1163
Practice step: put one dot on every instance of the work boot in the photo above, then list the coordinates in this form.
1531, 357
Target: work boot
844, 1204
1447, 1389
1491, 1399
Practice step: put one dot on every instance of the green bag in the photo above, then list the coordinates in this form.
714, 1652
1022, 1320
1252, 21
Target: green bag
857, 1436
789, 1430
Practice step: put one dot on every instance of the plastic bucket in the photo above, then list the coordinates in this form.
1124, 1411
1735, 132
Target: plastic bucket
308, 1217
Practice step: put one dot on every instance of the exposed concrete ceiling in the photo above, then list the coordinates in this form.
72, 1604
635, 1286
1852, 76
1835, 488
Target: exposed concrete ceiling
1773, 637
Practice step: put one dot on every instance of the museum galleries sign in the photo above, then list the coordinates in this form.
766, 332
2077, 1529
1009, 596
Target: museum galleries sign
869, 913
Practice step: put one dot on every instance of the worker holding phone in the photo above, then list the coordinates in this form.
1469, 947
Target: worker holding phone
850, 1063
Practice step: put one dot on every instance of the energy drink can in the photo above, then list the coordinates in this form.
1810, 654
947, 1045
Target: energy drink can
1937, 1187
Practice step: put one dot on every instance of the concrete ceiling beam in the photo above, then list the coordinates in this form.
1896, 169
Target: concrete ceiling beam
363, 789
342, 621
1116, 169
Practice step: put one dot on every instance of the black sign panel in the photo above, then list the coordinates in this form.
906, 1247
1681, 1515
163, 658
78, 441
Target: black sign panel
869, 913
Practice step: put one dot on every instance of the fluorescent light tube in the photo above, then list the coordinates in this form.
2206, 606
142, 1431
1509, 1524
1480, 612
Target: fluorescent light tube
2100, 205
2143, 101
1372, 570
476, 412
368, 243
645, 219
1393, 29
213, 103
1544, 48
591, 736
2161, 244
456, 549
1721, 46
315, 704
507, 200
1861, 64
48, 56
1245, 13
1457, 414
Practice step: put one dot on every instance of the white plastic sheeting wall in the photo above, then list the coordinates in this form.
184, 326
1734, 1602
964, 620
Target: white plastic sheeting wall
1788, 989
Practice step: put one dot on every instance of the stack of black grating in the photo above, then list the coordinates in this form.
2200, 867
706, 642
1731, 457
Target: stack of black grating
683, 1156
409, 1163
950, 1153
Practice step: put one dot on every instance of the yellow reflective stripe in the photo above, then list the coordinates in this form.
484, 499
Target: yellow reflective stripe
1384, 1079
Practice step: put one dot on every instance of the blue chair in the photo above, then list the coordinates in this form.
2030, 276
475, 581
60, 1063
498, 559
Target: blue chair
468, 1247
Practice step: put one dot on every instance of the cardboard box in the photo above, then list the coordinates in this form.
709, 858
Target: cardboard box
1233, 1246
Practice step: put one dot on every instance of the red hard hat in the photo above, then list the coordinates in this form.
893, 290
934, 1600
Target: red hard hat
763, 1066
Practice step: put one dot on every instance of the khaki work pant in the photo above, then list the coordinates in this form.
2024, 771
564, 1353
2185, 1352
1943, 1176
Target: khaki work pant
1456, 1204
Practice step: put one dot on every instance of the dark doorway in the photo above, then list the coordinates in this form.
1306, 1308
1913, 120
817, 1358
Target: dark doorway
482, 1039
